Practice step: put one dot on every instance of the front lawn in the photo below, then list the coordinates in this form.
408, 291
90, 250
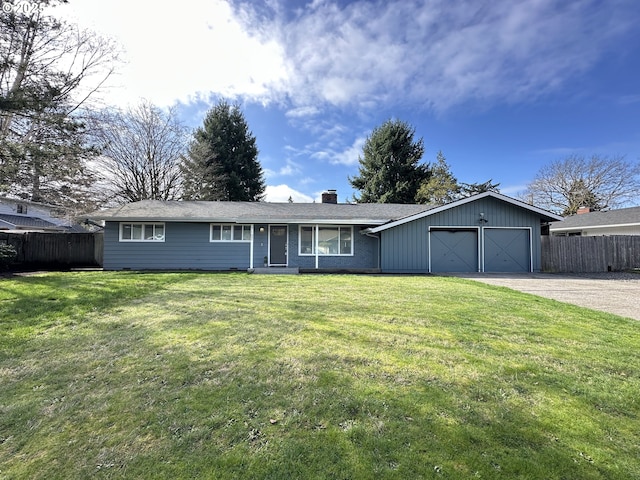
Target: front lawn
223, 376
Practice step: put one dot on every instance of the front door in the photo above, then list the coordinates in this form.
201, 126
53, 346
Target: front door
278, 245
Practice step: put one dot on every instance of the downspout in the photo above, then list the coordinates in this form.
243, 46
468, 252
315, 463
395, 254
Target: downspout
316, 245
251, 249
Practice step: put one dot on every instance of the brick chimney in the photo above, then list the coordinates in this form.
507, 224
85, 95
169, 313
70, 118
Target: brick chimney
582, 210
330, 196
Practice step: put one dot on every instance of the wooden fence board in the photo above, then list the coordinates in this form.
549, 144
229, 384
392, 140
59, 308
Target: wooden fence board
579, 254
56, 249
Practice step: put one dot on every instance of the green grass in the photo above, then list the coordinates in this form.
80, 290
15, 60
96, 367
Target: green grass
125, 375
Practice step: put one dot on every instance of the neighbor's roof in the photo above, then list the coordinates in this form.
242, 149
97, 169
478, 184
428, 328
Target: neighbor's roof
259, 212
23, 222
544, 214
612, 218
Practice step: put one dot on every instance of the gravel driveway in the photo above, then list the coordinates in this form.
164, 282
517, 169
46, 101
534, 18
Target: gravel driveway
617, 293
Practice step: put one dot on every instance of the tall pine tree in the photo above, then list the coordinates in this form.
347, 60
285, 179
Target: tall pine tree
222, 162
390, 168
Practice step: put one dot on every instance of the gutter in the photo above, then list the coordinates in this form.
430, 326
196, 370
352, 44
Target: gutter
287, 221
585, 227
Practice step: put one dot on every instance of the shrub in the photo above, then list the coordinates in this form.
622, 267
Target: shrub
7, 255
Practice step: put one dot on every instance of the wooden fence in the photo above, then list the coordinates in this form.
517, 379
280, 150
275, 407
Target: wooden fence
56, 250
590, 254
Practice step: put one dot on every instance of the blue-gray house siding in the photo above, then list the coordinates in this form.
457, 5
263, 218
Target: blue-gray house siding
406, 247
487, 233
187, 247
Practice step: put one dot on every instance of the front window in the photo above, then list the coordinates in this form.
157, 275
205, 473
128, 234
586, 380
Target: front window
331, 240
230, 233
142, 232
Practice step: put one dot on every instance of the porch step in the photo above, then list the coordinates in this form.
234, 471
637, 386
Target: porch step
276, 270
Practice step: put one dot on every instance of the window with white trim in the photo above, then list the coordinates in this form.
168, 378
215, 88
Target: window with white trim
142, 232
230, 233
332, 240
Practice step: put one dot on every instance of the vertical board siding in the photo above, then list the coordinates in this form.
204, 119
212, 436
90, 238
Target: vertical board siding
186, 247
405, 248
590, 254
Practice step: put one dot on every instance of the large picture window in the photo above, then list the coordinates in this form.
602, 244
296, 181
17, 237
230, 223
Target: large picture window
332, 240
230, 233
142, 232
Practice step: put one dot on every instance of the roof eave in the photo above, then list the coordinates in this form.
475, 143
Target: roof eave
583, 227
320, 221
548, 216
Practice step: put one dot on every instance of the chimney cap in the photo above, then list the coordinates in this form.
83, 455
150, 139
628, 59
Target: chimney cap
583, 210
330, 196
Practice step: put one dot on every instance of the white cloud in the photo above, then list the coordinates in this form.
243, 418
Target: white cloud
290, 168
332, 150
282, 193
363, 54
184, 51
303, 112
442, 53
351, 155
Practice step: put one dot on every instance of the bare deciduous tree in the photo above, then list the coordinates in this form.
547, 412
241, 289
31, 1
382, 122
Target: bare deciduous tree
598, 182
48, 71
141, 149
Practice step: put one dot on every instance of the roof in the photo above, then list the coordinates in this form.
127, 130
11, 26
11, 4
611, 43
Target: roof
27, 202
23, 221
544, 214
257, 212
611, 218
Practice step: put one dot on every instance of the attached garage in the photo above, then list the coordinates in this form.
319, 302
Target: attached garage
507, 250
453, 250
488, 232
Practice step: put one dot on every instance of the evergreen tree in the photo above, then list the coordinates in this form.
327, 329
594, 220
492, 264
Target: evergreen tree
578, 196
222, 162
470, 189
441, 187
390, 169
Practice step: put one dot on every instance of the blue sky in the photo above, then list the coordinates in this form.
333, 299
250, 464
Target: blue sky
501, 87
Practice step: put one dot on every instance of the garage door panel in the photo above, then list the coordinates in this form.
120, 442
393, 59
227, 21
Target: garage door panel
507, 250
454, 251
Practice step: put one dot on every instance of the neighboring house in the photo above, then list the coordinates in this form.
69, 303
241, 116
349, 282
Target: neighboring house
625, 221
22, 215
488, 232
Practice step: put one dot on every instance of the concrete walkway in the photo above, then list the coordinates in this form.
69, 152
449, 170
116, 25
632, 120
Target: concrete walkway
617, 293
